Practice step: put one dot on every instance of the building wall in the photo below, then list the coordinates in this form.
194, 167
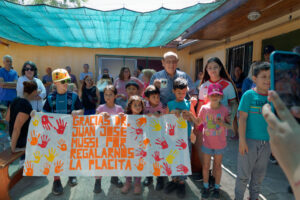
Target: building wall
56, 57
274, 28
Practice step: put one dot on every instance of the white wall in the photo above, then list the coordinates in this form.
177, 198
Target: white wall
221, 54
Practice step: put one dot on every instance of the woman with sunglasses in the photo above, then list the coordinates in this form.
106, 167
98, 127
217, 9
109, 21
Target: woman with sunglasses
29, 72
89, 96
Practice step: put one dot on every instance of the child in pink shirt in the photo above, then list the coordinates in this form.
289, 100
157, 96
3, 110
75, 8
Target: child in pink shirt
107, 109
215, 119
153, 106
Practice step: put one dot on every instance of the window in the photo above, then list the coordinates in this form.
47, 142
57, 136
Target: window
239, 56
198, 67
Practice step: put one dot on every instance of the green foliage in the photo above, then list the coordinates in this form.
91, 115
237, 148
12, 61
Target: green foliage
56, 3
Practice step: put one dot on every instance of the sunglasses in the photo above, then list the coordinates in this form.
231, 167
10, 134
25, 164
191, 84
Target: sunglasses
28, 69
65, 81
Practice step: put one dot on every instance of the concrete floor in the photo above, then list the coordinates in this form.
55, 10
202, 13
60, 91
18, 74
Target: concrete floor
274, 186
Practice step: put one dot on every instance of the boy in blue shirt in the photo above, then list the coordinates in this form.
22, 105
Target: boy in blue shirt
63, 102
254, 147
179, 106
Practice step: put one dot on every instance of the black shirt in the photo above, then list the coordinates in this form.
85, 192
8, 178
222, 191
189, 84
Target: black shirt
89, 98
19, 105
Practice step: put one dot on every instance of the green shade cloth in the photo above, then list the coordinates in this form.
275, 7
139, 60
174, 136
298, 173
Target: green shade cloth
43, 25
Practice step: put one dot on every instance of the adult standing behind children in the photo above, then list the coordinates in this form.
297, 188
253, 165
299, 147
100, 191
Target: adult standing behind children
29, 72
254, 147
85, 73
47, 79
73, 77
167, 76
63, 102
8, 81
120, 84
18, 115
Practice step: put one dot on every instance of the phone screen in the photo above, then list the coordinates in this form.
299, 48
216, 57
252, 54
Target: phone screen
285, 67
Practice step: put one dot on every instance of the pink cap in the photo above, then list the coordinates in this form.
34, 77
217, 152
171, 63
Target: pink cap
215, 88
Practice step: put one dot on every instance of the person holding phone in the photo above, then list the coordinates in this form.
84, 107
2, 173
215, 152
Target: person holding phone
284, 132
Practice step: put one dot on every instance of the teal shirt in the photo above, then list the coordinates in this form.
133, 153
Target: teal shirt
256, 126
181, 105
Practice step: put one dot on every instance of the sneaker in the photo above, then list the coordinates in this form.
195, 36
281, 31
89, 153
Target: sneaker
180, 191
273, 159
116, 181
97, 187
160, 183
205, 193
137, 189
148, 181
171, 186
72, 181
216, 193
57, 188
125, 189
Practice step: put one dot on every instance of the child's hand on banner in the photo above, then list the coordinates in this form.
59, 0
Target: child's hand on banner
162, 142
181, 144
45, 141
46, 123
62, 145
171, 131
182, 123
182, 168
141, 121
141, 164
156, 156
37, 155
58, 167
155, 125
172, 155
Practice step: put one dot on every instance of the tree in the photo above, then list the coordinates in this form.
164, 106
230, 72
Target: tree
56, 3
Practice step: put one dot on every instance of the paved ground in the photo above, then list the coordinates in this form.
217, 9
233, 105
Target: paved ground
35, 188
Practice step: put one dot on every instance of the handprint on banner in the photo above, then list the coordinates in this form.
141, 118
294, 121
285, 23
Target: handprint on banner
143, 144
58, 167
156, 156
137, 131
162, 142
45, 141
171, 130
155, 125
62, 145
172, 155
141, 121
182, 168
46, 123
35, 121
182, 123
141, 164
181, 144
141, 153
167, 168
60, 126
28, 169
33, 138
37, 155
46, 169
52, 155
156, 169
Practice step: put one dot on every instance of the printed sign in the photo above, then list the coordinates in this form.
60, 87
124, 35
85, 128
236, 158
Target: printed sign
128, 145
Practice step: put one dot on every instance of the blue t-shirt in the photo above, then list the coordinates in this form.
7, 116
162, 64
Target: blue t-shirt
166, 86
8, 76
181, 105
252, 103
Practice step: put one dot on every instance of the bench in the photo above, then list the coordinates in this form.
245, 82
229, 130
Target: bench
6, 182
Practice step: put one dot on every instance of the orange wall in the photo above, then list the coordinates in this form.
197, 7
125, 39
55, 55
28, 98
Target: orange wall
56, 57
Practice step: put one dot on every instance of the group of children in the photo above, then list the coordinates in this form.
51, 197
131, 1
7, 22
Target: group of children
213, 116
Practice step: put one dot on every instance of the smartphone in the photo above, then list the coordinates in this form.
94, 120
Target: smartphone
285, 76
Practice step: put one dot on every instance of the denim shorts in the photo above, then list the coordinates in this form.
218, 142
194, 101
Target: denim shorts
212, 151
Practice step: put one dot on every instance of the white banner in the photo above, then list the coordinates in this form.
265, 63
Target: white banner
132, 145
